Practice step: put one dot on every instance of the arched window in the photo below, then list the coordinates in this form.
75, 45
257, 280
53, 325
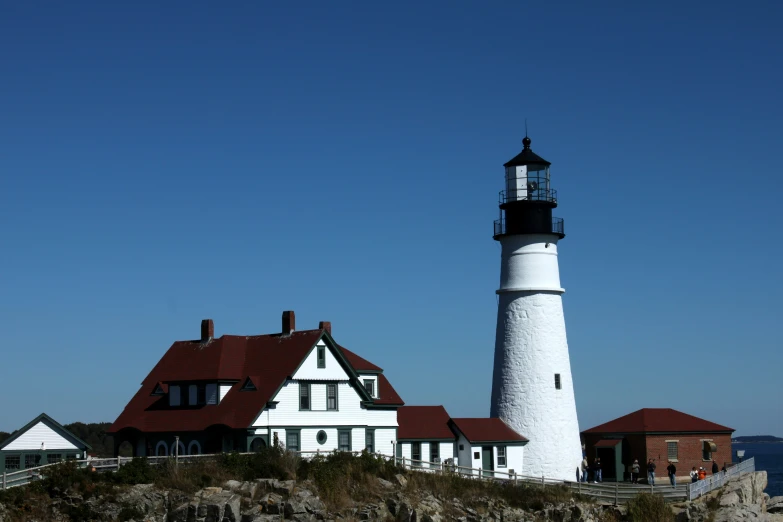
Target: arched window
161, 450
194, 448
257, 444
181, 449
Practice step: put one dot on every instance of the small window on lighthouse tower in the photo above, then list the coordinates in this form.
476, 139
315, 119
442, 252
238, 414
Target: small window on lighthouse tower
557, 381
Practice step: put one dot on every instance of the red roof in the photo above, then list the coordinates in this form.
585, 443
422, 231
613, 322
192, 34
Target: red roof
359, 364
268, 359
423, 422
652, 420
387, 395
487, 430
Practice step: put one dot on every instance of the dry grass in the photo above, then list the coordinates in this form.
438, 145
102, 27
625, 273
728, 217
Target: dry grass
645, 507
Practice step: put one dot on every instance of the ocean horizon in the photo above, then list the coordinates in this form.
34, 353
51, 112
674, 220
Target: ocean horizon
769, 458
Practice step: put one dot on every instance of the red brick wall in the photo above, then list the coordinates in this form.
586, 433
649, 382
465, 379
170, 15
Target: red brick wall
689, 452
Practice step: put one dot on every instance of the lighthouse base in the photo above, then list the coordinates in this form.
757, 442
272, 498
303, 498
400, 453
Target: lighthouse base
532, 389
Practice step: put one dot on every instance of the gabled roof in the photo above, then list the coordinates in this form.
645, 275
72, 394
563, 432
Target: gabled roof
52, 424
658, 420
487, 430
423, 422
268, 360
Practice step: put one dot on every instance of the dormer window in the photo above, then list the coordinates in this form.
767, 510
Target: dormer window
158, 390
174, 399
369, 386
322, 356
248, 386
211, 392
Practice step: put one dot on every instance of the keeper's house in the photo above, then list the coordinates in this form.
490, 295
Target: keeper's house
41, 441
661, 434
240, 393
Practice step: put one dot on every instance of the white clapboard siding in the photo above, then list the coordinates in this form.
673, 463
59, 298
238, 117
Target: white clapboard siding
383, 440
309, 369
406, 450
224, 390
309, 441
349, 412
37, 434
515, 459
318, 396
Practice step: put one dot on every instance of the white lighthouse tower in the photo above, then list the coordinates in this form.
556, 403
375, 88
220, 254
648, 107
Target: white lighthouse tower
532, 388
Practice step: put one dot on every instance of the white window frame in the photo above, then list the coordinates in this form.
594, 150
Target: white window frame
504, 456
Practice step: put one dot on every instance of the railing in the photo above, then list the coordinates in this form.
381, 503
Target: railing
718, 480
616, 493
527, 194
558, 226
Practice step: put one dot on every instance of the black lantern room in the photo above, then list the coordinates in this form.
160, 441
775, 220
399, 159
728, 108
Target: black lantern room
526, 203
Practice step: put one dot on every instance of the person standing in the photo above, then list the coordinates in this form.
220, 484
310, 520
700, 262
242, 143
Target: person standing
585, 469
702, 473
635, 468
598, 477
651, 472
672, 474
714, 468
694, 475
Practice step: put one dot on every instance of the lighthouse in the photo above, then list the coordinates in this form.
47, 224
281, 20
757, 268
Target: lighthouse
532, 389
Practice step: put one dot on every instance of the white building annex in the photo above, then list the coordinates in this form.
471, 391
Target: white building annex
41, 441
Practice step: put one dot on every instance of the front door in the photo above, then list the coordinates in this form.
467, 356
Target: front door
486, 461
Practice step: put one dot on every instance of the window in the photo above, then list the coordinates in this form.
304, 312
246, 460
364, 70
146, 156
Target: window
192, 394
173, 395
501, 456
671, 449
321, 437
344, 440
331, 396
369, 441
557, 381
158, 390
434, 453
12, 461
54, 458
304, 396
416, 453
202, 394
476, 455
322, 357
461, 447
292, 440
369, 385
211, 390
706, 449
32, 461
248, 386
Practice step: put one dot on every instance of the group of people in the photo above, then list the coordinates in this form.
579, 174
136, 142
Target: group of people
589, 471
592, 472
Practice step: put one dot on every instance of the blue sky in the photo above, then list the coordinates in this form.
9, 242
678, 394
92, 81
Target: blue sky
161, 163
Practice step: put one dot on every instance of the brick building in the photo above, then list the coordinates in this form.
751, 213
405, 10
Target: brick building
661, 434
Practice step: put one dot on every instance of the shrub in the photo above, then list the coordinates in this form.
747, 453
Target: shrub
137, 471
645, 507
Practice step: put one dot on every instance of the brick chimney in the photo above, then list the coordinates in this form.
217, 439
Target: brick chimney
289, 322
207, 330
325, 325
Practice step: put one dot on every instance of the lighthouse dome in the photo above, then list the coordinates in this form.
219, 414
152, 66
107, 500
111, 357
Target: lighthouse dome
526, 157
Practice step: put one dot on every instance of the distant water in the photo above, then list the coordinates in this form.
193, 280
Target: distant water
769, 457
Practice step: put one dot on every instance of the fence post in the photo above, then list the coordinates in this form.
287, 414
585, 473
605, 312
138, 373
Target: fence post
176, 451
616, 492
542, 481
